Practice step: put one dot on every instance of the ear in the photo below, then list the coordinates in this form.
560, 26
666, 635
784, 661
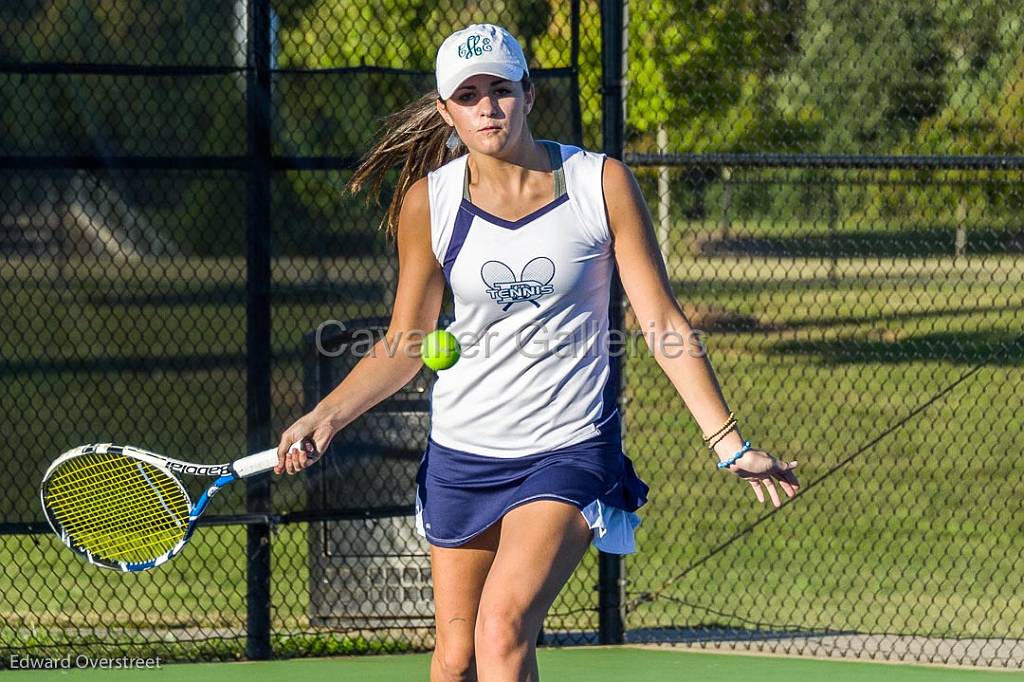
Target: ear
530, 96
444, 112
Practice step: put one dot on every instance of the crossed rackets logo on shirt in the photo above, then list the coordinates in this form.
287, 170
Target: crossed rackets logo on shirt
534, 281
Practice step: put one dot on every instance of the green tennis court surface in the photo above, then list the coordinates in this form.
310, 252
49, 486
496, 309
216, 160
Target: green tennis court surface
590, 664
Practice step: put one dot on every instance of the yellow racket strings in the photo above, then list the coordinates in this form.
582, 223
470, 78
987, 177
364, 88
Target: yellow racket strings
118, 508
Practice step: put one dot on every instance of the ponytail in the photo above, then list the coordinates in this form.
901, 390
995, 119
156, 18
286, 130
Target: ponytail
416, 138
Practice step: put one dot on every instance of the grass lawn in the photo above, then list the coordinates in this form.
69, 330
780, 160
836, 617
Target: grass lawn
920, 533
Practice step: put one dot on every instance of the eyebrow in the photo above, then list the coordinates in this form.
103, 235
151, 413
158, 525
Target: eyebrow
473, 87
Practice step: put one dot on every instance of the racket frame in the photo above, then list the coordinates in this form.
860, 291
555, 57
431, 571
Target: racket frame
225, 474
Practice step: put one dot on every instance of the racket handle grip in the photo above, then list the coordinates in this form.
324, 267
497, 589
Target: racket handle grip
260, 462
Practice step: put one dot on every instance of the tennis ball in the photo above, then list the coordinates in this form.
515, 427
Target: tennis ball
439, 350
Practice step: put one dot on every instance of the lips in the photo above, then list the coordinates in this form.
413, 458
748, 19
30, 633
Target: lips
483, 130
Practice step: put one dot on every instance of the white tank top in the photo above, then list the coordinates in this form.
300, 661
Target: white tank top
531, 313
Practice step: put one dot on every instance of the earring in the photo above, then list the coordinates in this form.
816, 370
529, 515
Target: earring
453, 140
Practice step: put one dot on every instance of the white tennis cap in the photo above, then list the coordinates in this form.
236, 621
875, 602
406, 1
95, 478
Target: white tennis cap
476, 49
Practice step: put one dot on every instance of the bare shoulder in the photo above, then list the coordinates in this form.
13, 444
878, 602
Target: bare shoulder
622, 196
420, 279
414, 220
416, 201
616, 175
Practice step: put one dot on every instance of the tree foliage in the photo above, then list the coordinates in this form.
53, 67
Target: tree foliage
824, 76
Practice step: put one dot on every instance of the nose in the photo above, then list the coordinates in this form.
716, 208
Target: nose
492, 104
491, 108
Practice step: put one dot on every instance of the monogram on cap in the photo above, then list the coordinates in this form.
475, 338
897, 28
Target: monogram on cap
474, 47
478, 49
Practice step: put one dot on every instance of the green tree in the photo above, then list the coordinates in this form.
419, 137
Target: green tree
701, 69
871, 71
340, 114
983, 115
703, 73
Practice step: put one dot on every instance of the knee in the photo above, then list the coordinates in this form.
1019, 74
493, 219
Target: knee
455, 661
500, 634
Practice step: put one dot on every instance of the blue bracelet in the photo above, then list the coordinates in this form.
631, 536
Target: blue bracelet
732, 460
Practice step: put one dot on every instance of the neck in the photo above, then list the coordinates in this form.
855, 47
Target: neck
512, 172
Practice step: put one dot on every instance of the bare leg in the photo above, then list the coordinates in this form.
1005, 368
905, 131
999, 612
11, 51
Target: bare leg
458, 576
540, 545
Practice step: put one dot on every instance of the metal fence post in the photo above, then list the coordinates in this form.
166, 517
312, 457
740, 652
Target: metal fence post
833, 224
611, 622
258, 324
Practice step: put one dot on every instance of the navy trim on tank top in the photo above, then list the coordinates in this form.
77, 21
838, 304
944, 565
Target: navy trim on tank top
608, 402
459, 232
514, 224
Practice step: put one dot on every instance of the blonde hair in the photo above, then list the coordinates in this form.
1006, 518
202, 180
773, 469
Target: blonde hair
415, 138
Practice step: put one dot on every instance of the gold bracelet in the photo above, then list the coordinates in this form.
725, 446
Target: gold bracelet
729, 426
728, 422
722, 436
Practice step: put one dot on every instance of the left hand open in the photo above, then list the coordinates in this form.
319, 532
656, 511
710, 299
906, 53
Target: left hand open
761, 470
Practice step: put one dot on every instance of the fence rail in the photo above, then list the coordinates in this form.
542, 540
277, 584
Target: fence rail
169, 232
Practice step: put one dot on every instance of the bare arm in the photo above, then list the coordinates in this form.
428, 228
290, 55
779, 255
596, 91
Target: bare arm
394, 360
674, 343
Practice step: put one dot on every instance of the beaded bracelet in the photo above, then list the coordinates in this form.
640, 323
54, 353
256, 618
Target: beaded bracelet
728, 423
732, 460
721, 436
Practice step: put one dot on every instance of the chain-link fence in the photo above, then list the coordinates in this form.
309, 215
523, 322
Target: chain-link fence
172, 226
836, 190
839, 209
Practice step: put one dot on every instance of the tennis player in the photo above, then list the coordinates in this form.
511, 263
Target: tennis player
524, 468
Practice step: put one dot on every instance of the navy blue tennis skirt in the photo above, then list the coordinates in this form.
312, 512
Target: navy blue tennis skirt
460, 494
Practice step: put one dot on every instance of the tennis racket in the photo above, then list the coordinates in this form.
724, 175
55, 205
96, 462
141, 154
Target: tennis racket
126, 509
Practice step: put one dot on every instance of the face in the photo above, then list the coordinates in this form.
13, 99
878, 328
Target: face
489, 113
